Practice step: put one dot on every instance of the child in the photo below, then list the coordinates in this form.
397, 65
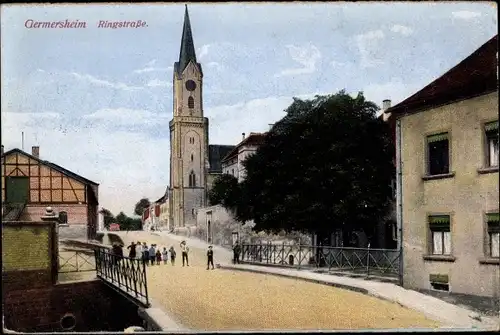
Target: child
172, 255
145, 254
152, 254
210, 257
158, 257
165, 256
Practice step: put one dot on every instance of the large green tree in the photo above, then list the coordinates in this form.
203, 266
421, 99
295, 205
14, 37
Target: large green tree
326, 165
225, 191
128, 223
141, 205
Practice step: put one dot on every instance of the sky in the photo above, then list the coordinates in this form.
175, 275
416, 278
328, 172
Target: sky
98, 100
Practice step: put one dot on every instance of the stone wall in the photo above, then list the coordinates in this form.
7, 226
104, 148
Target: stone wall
72, 231
27, 254
94, 305
77, 214
223, 224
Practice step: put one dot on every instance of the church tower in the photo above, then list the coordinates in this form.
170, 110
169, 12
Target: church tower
188, 135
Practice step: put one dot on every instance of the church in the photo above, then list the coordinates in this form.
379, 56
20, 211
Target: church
194, 163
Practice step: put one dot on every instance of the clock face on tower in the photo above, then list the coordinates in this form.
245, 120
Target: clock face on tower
190, 85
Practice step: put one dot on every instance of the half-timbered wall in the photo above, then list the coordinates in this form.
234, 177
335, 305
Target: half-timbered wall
47, 185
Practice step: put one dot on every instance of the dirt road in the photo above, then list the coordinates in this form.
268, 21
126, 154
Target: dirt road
218, 299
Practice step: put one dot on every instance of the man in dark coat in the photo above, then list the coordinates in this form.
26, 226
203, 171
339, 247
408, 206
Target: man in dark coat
131, 253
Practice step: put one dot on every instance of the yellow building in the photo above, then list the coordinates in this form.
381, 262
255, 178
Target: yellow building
448, 192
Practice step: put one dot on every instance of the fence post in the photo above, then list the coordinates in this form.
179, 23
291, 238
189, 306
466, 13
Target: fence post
368, 262
76, 259
300, 258
283, 253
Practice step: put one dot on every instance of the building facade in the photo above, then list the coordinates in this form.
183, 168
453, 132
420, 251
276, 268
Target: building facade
232, 163
448, 192
191, 157
30, 184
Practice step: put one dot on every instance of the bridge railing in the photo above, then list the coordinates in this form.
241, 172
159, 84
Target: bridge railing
124, 273
76, 261
367, 261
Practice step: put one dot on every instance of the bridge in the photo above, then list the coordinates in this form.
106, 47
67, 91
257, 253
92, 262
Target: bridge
223, 299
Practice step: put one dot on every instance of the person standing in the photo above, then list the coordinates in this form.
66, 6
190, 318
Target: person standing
172, 255
152, 254
158, 256
184, 250
210, 257
145, 253
236, 253
131, 253
164, 255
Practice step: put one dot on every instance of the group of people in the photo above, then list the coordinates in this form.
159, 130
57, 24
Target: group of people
153, 255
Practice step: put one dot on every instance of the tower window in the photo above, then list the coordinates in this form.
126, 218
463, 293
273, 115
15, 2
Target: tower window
192, 179
192, 157
190, 102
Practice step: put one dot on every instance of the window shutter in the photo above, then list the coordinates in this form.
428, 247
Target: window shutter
493, 222
490, 126
437, 138
439, 221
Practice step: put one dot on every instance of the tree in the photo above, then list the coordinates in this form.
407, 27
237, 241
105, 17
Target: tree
128, 223
224, 191
326, 165
141, 206
108, 217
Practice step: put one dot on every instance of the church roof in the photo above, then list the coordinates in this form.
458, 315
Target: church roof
187, 53
215, 155
475, 75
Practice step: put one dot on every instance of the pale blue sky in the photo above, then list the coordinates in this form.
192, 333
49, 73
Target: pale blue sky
98, 101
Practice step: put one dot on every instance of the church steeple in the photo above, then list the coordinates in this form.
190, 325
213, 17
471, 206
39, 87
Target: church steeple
187, 52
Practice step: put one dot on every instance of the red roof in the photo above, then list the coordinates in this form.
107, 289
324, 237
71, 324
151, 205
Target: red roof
475, 75
252, 139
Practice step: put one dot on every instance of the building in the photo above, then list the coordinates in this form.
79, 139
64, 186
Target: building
193, 162
30, 184
232, 163
447, 188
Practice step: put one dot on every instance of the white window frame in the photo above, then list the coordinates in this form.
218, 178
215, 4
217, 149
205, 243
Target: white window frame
440, 237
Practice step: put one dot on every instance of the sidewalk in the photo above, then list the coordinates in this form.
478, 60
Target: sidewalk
448, 314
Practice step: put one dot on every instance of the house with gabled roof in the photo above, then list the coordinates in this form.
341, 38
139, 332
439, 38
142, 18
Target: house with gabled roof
447, 180
31, 184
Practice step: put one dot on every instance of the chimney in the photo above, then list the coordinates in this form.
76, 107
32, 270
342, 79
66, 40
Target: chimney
386, 104
35, 151
243, 136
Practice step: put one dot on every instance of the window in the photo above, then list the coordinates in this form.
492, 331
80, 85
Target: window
438, 154
63, 217
190, 102
491, 131
192, 157
493, 235
192, 179
193, 212
440, 234
232, 172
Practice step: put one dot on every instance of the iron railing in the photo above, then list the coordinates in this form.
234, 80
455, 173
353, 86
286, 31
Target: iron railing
124, 273
76, 261
363, 261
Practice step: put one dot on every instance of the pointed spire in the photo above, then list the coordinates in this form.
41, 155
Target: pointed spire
187, 52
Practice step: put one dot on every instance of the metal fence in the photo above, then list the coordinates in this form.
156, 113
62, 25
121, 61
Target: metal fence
124, 273
76, 261
366, 261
